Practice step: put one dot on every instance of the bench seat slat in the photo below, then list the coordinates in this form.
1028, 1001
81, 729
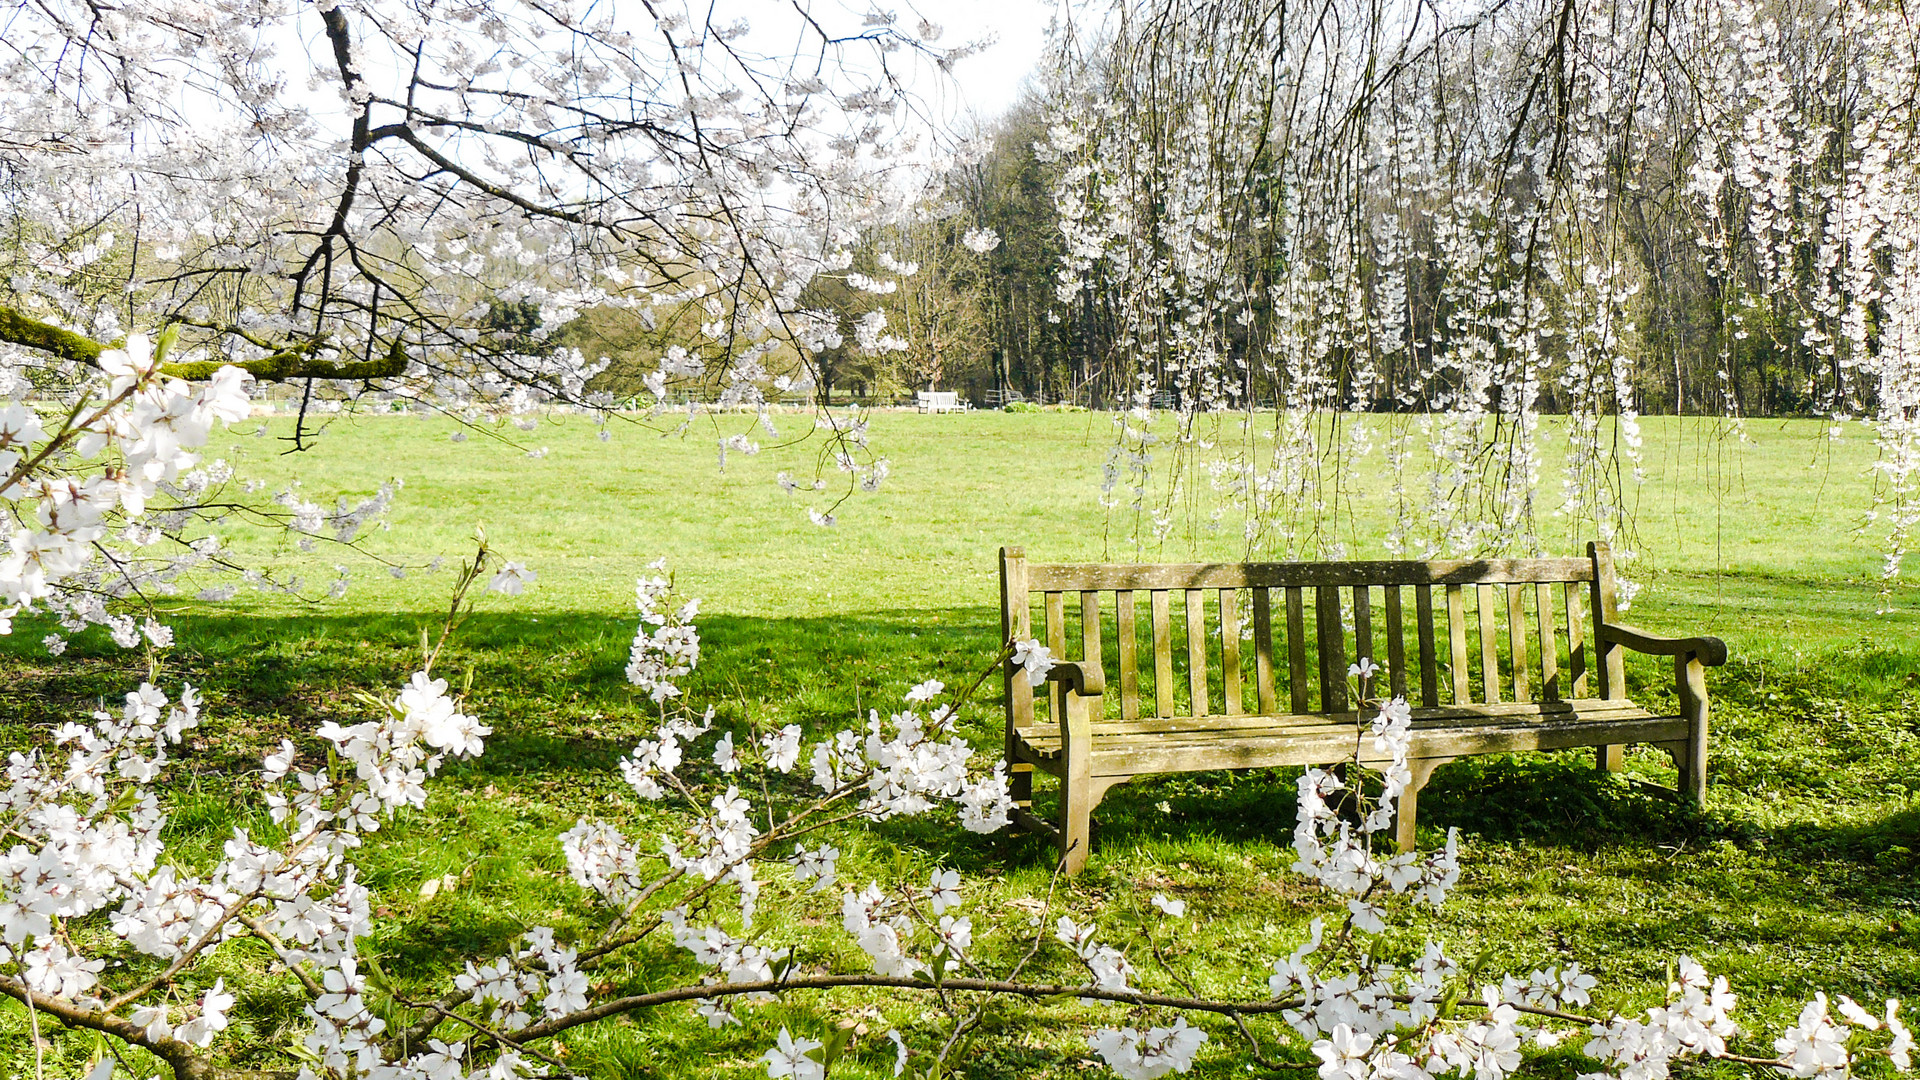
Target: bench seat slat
1588, 709
1322, 744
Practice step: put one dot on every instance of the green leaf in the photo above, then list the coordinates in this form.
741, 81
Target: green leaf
377, 978
829, 1052
163, 344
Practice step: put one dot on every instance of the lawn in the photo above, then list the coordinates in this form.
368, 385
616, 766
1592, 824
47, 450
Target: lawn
1798, 876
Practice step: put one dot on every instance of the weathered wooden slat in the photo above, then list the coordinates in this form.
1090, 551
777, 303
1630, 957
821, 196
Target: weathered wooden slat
1423, 627
1341, 737
1504, 712
1056, 626
1576, 643
1113, 577
1090, 646
1609, 656
1162, 653
1549, 650
1197, 651
1296, 651
1333, 649
1125, 624
1334, 745
1517, 640
1044, 741
1016, 625
1396, 644
1263, 649
1230, 652
1362, 630
1484, 605
1130, 741
1457, 644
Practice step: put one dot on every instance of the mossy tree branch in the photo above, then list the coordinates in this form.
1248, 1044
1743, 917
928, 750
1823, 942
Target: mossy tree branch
288, 364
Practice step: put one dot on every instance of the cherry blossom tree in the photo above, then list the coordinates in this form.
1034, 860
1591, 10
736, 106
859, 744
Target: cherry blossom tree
405, 197
1458, 216
347, 192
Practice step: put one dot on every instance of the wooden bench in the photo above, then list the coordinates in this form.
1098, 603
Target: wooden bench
1184, 668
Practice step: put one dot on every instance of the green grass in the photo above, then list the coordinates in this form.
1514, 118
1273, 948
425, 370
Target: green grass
1799, 876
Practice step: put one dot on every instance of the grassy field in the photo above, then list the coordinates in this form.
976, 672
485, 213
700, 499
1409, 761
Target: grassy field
1800, 874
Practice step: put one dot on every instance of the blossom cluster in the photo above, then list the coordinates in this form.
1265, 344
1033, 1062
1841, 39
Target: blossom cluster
112, 504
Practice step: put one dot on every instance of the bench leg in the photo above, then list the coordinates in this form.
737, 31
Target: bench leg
1690, 680
1607, 758
1408, 807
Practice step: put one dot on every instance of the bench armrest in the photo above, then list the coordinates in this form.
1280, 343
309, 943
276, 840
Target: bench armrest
1711, 651
1080, 677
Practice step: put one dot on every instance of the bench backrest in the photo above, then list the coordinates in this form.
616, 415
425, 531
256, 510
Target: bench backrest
1229, 639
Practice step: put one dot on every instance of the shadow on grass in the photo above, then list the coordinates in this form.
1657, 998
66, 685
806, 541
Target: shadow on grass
554, 689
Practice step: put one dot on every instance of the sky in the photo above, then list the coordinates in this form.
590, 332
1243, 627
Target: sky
990, 81
984, 84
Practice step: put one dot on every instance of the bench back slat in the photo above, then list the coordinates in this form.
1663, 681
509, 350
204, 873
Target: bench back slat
1196, 651
1517, 639
1396, 644
1055, 622
1576, 643
1090, 630
1608, 657
1429, 668
1332, 649
1263, 650
1514, 630
1126, 617
1549, 654
1230, 651
1015, 625
1362, 626
1457, 643
1484, 608
1162, 654
1296, 649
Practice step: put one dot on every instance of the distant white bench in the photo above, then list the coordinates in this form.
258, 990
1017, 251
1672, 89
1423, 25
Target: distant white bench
932, 401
